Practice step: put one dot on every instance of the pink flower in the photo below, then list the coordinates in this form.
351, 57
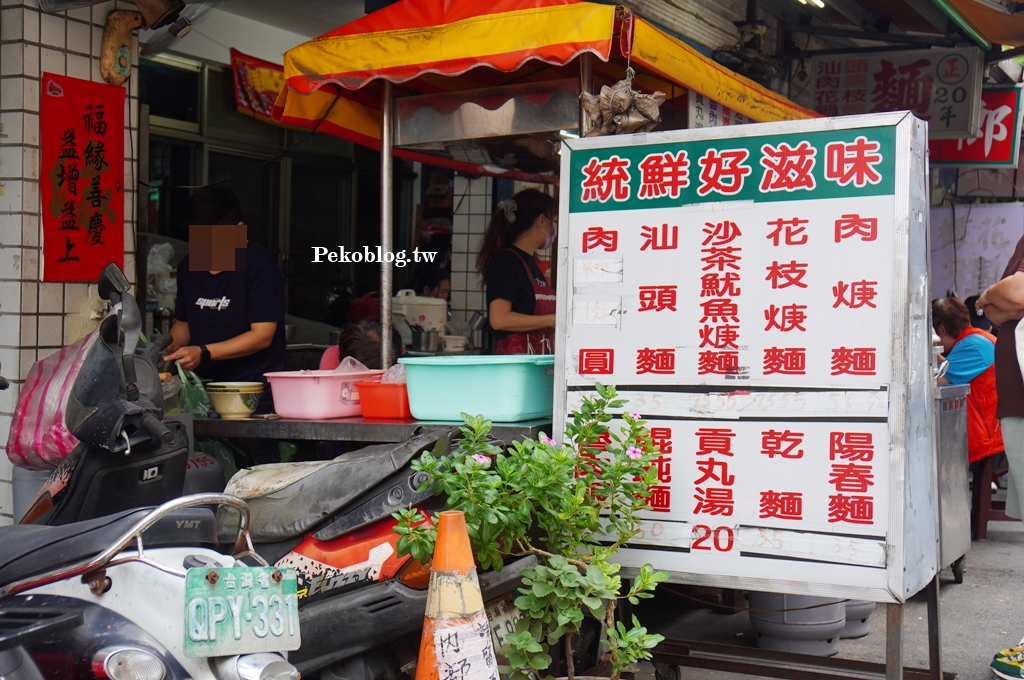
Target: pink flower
548, 440
634, 415
634, 453
483, 460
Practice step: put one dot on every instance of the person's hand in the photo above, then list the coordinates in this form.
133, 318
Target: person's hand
982, 302
189, 357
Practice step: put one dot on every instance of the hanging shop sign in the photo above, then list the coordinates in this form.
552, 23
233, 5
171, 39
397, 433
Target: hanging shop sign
81, 177
705, 112
940, 86
759, 295
257, 84
998, 142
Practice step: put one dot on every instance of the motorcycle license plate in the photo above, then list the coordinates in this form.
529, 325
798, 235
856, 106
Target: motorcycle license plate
502, 616
240, 610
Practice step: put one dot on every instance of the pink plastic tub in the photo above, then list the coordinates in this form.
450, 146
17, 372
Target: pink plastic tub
318, 395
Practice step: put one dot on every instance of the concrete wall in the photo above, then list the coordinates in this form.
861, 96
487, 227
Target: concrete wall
38, 318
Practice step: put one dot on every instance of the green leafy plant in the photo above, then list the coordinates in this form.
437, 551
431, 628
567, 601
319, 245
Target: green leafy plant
573, 505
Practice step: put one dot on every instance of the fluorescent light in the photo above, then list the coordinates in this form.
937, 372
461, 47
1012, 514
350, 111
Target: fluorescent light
819, 4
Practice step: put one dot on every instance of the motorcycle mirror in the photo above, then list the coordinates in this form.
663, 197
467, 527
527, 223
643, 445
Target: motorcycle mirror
112, 281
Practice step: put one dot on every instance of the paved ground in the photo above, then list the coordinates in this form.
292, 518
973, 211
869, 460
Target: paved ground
980, 616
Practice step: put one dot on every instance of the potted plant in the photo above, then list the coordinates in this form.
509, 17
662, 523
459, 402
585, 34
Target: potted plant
571, 504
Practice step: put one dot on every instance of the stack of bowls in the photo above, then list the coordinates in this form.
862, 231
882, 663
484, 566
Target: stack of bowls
234, 400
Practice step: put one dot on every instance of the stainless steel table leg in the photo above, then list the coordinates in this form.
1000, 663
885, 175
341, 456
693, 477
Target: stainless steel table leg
894, 642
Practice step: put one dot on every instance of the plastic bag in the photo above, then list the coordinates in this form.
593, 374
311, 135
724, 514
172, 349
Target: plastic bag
172, 395
161, 286
350, 365
395, 374
219, 451
194, 398
39, 438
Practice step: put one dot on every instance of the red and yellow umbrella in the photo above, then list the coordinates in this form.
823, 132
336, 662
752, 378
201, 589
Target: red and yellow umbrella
427, 46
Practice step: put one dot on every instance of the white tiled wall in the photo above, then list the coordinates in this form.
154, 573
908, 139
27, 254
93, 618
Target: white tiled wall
472, 212
37, 318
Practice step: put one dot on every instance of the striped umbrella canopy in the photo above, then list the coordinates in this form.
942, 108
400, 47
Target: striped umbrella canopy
434, 46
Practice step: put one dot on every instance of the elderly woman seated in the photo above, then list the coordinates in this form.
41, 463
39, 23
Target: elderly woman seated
361, 342
971, 355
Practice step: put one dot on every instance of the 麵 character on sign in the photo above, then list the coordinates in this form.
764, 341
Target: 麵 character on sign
856, 361
723, 171
599, 237
855, 295
658, 361
786, 318
606, 179
785, 360
906, 87
784, 275
718, 363
660, 499
597, 361
781, 505
783, 444
788, 168
664, 174
790, 231
855, 162
851, 509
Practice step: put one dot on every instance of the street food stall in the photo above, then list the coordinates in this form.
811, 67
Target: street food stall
492, 89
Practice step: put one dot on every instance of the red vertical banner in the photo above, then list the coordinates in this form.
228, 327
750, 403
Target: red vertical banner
81, 177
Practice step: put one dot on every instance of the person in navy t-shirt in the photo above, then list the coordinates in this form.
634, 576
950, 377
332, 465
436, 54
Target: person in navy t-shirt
229, 325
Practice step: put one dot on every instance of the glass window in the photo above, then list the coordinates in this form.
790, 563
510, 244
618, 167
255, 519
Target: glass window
171, 164
172, 92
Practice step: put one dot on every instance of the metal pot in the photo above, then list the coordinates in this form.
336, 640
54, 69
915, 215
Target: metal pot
425, 341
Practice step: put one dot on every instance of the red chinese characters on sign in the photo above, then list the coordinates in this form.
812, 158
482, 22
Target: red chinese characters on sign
853, 163
657, 298
606, 179
599, 237
786, 318
783, 444
656, 361
663, 174
661, 494
781, 505
788, 168
597, 361
723, 171
789, 232
852, 477
717, 499
82, 178
855, 295
853, 361
998, 140
660, 238
906, 87
785, 361
784, 275
849, 226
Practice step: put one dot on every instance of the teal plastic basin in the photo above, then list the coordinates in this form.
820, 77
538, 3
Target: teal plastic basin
505, 389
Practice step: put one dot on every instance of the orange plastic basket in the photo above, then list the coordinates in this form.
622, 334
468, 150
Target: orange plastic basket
384, 400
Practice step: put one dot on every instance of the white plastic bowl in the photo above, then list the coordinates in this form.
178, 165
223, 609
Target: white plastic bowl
318, 395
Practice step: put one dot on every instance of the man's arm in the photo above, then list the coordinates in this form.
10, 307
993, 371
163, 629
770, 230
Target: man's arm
999, 316
180, 336
258, 337
1007, 294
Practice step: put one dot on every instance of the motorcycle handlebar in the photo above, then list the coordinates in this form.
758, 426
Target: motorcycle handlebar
164, 341
157, 429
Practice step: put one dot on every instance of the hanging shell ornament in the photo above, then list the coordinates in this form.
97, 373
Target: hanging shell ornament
619, 109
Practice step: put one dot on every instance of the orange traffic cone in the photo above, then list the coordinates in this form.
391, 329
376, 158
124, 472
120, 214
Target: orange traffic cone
456, 642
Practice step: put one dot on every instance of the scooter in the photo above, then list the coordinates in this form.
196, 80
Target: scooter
130, 455
134, 595
360, 606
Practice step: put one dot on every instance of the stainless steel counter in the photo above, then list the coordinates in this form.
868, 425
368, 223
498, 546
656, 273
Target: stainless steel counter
351, 429
954, 493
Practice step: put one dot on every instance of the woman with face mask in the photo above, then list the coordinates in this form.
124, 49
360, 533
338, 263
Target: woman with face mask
520, 302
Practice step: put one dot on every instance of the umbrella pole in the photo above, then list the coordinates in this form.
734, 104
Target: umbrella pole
386, 219
586, 85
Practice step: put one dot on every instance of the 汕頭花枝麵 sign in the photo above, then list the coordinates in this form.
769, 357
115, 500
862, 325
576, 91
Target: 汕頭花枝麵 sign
755, 293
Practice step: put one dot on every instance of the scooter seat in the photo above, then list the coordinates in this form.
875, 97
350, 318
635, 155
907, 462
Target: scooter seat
287, 499
30, 549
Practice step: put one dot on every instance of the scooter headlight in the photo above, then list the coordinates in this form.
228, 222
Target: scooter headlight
264, 666
128, 663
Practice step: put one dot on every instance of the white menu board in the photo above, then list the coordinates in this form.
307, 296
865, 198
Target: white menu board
757, 295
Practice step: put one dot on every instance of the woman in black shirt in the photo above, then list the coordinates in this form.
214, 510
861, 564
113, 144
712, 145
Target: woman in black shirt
520, 303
